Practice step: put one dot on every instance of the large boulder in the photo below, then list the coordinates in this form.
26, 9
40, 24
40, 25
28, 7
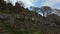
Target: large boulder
53, 18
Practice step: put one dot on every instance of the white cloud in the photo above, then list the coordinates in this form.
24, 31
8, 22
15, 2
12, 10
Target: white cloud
50, 2
12, 1
34, 1
27, 3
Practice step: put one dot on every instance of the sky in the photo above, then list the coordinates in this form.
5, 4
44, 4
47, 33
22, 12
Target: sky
39, 3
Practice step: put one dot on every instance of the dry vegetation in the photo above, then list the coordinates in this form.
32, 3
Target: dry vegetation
17, 20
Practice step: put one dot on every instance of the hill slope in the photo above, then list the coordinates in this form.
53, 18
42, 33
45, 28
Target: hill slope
16, 19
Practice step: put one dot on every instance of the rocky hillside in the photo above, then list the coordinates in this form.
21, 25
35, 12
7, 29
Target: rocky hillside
18, 20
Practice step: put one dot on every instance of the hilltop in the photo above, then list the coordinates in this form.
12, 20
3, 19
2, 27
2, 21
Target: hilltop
16, 19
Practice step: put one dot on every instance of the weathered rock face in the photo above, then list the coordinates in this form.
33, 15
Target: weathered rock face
54, 18
4, 17
4, 23
30, 24
27, 21
22, 24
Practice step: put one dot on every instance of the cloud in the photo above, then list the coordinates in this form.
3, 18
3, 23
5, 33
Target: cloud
50, 2
34, 1
39, 3
12, 1
57, 5
27, 3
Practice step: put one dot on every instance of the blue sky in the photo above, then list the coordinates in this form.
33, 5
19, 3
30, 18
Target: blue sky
39, 3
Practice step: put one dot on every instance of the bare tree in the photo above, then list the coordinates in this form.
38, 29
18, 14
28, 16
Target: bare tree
9, 1
21, 3
2, 4
57, 12
46, 10
34, 8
